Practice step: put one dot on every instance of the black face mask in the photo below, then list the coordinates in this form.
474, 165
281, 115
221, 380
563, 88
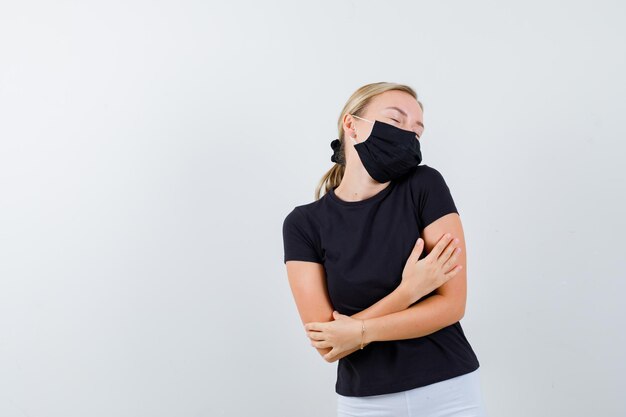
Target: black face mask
389, 152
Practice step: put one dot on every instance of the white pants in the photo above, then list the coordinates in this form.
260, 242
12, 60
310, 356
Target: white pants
455, 397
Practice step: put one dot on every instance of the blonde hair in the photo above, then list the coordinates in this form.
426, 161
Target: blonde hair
356, 104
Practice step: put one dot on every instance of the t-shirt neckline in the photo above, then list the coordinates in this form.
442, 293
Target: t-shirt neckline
370, 200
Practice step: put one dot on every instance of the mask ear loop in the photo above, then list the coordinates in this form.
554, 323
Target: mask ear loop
353, 137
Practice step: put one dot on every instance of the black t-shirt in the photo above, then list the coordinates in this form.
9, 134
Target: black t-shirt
364, 246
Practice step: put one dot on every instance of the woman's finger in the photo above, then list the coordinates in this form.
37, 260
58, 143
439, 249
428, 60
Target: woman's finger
313, 326
452, 259
322, 344
315, 335
448, 251
453, 272
440, 246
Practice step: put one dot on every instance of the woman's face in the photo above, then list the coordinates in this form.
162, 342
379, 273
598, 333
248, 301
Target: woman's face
395, 107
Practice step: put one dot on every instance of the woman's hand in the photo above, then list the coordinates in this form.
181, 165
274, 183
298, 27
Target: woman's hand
342, 334
420, 277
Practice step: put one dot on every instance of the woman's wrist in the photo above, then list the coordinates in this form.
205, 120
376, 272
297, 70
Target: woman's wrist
408, 295
403, 297
367, 333
362, 333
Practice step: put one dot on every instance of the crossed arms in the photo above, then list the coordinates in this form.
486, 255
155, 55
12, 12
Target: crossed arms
392, 317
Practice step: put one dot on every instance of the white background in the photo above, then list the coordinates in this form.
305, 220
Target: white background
149, 152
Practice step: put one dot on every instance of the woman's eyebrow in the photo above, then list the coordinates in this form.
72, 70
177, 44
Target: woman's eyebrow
404, 113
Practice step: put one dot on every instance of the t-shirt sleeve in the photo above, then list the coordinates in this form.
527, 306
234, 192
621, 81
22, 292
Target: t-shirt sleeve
299, 239
435, 199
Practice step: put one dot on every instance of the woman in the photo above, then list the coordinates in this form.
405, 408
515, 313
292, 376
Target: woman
377, 267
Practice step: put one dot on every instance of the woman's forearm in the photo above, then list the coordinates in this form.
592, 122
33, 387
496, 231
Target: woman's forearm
393, 302
426, 317
421, 319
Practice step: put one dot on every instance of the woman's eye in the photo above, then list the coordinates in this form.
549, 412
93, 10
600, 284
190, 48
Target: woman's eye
397, 121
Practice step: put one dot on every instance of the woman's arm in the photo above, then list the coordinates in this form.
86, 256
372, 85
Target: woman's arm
307, 282
397, 300
389, 318
445, 307
308, 285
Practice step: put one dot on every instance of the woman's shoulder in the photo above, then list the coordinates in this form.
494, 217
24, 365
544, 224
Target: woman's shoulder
425, 176
300, 236
424, 171
308, 208
304, 214
416, 178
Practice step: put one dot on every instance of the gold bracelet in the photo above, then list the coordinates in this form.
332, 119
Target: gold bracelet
362, 332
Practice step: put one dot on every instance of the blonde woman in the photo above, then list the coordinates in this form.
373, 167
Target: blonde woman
377, 267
